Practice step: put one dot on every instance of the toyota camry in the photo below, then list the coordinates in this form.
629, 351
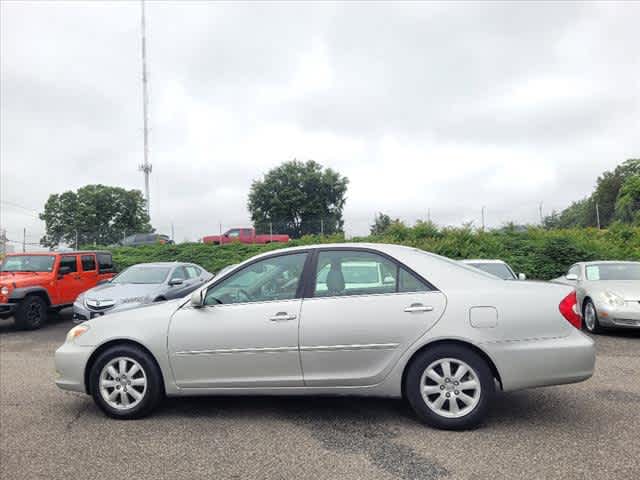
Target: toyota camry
346, 319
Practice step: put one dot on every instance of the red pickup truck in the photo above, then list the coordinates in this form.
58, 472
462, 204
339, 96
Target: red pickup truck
33, 284
244, 235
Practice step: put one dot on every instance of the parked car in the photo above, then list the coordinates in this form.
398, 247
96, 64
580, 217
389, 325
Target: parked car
608, 293
140, 285
34, 284
442, 335
245, 235
499, 268
145, 239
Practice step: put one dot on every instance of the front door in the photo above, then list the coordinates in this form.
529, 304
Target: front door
246, 335
364, 311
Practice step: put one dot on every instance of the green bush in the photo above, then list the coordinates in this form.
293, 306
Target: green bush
541, 254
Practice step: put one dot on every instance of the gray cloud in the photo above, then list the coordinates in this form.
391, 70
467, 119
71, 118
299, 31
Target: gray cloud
434, 106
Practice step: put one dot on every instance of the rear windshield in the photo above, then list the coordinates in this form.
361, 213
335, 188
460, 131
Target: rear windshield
143, 274
613, 271
28, 263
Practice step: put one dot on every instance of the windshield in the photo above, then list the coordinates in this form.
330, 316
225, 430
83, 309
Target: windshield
28, 263
498, 269
613, 271
143, 274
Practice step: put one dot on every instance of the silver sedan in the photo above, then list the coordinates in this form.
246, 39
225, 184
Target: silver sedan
357, 319
608, 293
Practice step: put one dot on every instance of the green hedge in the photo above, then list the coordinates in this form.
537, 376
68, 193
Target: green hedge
541, 254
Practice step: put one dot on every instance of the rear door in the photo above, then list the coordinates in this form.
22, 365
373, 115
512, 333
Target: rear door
88, 270
361, 311
70, 285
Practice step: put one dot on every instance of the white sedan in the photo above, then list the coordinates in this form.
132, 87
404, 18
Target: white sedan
404, 323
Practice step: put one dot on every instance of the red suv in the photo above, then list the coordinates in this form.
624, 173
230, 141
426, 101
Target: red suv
32, 284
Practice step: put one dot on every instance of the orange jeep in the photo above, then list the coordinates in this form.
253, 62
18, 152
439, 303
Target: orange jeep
33, 284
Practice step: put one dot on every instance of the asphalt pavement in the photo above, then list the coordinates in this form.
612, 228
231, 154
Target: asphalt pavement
587, 430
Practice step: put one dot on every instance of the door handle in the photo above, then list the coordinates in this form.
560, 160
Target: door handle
418, 307
282, 316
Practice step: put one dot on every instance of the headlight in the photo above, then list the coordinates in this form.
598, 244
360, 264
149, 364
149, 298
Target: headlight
4, 290
613, 299
76, 331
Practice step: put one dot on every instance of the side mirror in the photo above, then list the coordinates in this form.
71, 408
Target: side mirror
522, 276
197, 298
176, 281
572, 277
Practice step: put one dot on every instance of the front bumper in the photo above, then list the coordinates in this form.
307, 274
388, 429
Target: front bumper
70, 362
542, 362
7, 309
627, 316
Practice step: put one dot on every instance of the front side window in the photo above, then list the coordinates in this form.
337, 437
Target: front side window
70, 262
274, 278
179, 273
88, 263
235, 233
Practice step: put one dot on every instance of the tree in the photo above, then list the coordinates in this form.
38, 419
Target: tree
94, 213
299, 198
583, 212
381, 224
627, 206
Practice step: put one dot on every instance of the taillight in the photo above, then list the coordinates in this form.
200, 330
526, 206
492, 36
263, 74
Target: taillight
569, 310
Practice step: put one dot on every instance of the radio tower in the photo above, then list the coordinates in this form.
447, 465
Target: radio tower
146, 166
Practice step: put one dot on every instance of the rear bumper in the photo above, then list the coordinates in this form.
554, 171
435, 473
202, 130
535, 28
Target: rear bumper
70, 362
7, 309
543, 362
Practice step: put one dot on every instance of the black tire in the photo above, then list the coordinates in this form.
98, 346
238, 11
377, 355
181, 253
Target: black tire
413, 387
154, 389
31, 313
596, 329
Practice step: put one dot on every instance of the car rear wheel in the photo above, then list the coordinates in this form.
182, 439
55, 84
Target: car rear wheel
31, 313
125, 382
449, 387
591, 322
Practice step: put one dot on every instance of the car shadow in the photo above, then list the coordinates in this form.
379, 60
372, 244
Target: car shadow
54, 320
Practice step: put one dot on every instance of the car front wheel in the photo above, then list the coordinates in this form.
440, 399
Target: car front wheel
591, 322
450, 387
125, 382
31, 313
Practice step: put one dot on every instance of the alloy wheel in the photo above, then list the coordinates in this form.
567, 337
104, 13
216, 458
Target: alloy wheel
450, 387
123, 383
590, 317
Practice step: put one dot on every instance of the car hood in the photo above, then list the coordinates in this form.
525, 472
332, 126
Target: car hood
123, 293
628, 289
24, 279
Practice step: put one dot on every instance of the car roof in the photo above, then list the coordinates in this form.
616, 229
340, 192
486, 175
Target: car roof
70, 252
594, 262
482, 260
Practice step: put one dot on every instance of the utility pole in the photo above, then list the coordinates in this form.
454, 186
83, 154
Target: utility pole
598, 215
76, 239
540, 212
482, 212
172, 233
24, 240
322, 227
429, 215
270, 232
146, 166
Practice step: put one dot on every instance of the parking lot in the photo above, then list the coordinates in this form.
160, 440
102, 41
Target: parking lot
590, 429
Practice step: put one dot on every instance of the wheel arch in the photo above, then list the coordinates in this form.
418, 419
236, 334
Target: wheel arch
19, 294
458, 342
112, 343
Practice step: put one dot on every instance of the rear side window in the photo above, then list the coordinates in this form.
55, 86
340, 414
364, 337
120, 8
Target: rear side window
408, 282
88, 263
69, 261
105, 262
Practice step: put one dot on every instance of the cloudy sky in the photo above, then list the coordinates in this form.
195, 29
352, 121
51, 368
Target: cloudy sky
440, 106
